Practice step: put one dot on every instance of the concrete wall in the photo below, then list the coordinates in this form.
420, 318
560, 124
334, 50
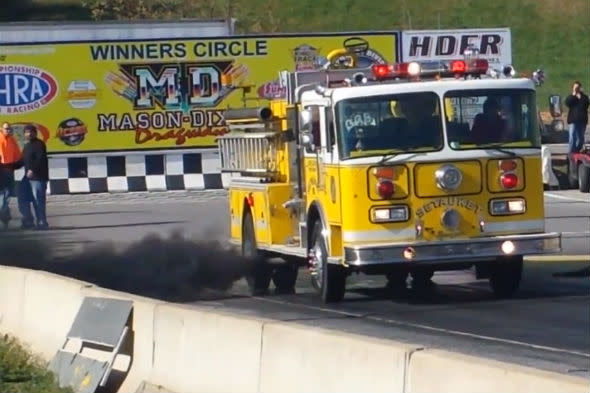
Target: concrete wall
197, 349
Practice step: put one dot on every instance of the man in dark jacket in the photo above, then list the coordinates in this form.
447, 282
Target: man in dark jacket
577, 117
33, 186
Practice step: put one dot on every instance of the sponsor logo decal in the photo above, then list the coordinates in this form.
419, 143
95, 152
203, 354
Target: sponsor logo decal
72, 131
81, 94
25, 89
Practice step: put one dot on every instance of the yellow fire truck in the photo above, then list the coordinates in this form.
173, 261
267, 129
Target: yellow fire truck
397, 169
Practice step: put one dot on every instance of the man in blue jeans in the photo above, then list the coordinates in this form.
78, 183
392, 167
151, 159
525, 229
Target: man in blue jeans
33, 186
577, 117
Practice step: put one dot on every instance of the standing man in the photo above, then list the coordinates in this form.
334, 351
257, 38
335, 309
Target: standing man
577, 117
33, 187
10, 154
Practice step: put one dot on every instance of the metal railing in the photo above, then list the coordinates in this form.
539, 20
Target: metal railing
250, 153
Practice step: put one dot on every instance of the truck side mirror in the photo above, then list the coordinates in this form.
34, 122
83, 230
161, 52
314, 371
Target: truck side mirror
555, 107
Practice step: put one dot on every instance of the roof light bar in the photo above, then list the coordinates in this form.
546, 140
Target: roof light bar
456, 68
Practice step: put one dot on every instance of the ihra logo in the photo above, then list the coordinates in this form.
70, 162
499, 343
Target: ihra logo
25, 88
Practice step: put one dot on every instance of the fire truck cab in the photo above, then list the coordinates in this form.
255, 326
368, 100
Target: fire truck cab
400, 169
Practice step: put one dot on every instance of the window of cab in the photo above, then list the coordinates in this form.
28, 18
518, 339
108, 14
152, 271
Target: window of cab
389, 124
477, 119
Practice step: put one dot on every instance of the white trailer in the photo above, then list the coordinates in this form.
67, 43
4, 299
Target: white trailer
31, 32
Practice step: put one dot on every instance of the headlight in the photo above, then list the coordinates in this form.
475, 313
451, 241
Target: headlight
448, 177
390, 214
499, 207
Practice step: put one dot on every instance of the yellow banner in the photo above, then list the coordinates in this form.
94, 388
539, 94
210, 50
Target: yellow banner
135, 95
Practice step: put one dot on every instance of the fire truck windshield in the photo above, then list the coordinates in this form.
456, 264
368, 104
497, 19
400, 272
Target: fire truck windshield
495, 118
385, 124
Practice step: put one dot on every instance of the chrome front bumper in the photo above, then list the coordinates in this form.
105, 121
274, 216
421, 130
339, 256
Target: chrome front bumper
464, 250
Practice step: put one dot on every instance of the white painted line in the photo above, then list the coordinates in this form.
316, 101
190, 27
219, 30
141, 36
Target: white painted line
567, 198
432, 328
481, 337
576, 234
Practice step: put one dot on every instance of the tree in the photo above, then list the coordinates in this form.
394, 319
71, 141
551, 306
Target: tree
157, 9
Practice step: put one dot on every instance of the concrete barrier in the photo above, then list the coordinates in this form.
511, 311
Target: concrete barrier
442, 371
49, 305
38, 307
196, 349
297, 358
12, 294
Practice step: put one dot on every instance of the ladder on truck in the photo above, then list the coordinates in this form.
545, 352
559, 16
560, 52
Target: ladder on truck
251, 147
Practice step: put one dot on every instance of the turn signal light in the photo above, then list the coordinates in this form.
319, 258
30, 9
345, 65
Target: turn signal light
507, 165
385, 188
385, 172
509, 180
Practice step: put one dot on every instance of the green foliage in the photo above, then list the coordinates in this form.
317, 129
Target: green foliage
154, 9
21, 372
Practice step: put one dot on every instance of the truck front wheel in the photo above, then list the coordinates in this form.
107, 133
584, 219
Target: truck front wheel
505, 276
328, 279
259, 276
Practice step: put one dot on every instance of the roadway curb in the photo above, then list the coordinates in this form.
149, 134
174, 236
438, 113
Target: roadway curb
557, 258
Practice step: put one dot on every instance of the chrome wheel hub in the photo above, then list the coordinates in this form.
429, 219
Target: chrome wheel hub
315, 264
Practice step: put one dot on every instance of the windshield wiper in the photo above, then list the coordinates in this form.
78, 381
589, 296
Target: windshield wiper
388, 157
410, 150
498, 147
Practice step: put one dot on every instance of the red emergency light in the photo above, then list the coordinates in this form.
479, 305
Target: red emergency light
456, 68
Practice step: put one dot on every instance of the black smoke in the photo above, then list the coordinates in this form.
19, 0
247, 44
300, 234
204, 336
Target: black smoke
171, 269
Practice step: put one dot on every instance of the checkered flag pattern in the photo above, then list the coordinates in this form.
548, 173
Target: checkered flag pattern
135, 172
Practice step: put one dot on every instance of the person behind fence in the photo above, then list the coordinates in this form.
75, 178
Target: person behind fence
577, 117
10, 153
33, 186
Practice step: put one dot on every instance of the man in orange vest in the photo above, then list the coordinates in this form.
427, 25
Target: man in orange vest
10, 153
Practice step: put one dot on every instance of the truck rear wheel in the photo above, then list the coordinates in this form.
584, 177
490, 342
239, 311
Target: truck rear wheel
259, 276
505, 276
421, 278
584, 178
328, 279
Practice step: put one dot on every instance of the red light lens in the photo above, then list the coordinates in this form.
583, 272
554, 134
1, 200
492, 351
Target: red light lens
384, 173
385, 189
481, 65
458, 66
381, 70
509, 180
507, 165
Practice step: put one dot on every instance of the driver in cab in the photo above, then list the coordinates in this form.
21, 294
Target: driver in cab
489, 126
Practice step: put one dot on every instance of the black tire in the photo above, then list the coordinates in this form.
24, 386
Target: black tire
505, 276
331, 284
584, 178
259, 276
285, 277
422, 277
396, 282
572, 174
397, 278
